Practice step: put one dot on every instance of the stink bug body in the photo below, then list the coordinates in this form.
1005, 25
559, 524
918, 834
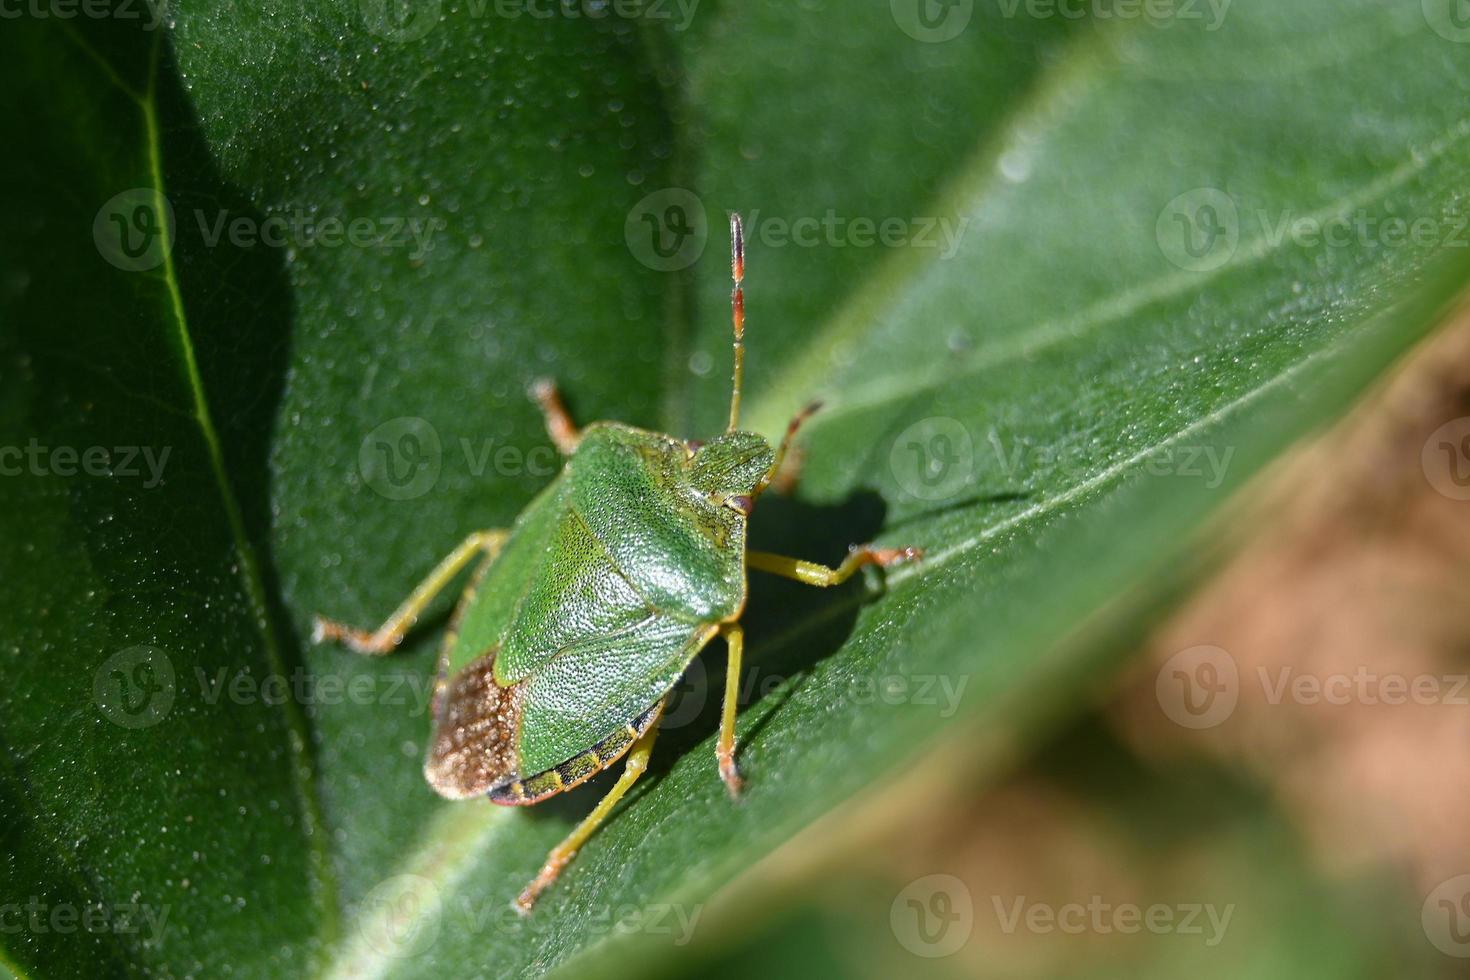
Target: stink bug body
586, 611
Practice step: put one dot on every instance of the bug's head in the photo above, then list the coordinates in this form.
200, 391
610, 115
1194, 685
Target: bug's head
730, 468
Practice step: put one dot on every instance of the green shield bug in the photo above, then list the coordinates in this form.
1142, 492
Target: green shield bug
587, 610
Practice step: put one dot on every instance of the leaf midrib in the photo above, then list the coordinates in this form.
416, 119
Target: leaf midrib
326, 894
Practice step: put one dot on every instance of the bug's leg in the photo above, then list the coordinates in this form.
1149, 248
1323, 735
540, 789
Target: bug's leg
784, 481
562, 854
725, 747
387, 637
559, 424
811, 573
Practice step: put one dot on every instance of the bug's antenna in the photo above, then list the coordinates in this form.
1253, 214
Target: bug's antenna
737, 312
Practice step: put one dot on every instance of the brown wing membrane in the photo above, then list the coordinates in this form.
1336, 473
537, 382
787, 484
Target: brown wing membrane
476, 727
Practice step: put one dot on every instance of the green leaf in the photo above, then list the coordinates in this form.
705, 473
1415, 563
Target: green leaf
152, 824
1134, 310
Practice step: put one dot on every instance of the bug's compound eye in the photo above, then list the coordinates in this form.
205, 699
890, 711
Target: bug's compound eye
692, 446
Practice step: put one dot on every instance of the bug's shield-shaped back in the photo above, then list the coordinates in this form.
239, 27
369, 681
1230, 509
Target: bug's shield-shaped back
601, 685
608, 585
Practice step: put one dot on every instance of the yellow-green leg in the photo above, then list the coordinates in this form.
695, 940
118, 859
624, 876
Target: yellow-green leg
811, 573
725, 747
562, 854
386, 638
